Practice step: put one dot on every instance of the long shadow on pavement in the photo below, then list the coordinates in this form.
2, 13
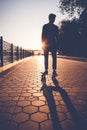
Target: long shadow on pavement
47, 92
81, 124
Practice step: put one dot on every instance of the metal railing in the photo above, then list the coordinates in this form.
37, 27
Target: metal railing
10, 53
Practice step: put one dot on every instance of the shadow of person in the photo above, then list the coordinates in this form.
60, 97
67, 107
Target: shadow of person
79, 121
47, 92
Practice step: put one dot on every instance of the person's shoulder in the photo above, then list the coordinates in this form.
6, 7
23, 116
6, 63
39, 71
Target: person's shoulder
55, 26
45, 25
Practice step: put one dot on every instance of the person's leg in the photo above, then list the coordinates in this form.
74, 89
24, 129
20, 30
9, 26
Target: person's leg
54, 60
54, 63
46, 61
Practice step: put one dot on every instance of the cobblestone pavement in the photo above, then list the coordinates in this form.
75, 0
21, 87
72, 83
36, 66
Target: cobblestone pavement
61, 105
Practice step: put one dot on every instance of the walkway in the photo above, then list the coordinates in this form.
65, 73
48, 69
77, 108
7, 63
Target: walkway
29, 101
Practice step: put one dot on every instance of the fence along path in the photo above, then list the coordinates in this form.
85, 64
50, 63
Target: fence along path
10, 53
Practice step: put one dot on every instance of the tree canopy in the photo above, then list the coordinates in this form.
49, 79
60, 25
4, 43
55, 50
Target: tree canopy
71, 7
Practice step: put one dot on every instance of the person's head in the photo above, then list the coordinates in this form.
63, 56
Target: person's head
52, 18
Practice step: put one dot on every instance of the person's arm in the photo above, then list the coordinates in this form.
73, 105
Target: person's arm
57, 38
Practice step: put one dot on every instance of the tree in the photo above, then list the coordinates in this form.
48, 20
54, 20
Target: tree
74, 31
83, 32
69, 38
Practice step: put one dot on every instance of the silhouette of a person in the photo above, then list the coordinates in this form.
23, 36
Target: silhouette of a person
50, 42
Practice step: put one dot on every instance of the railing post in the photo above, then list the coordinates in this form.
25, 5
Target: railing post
11, 53
17, 53
1, 51
21, 53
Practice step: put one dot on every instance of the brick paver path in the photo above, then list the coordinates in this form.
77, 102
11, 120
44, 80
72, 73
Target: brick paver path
61, 105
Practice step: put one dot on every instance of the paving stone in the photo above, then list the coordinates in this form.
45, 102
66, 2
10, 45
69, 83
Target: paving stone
17, 109
15, 94
37, 94
42, 98
20, 117
61, 108
69, 125
10, 109
46, 125
25, 94
44, 109
39, 117
23, 103
29, 125
62, 116
38, 103
30, 109
9, 103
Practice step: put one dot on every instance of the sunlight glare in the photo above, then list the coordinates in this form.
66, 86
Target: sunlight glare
41, 60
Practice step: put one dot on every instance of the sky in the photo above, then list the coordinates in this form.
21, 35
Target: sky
21, 21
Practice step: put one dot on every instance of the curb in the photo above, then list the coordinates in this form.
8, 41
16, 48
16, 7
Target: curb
73, 58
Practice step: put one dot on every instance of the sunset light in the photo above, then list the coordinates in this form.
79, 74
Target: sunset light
22, 20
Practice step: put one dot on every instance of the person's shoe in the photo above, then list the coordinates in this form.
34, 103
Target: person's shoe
54, 73
46, 72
